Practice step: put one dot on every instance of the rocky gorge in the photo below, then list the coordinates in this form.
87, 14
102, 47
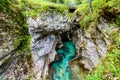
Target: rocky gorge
49, 42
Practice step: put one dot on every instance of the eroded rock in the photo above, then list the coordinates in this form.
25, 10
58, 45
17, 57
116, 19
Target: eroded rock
91, 46
43, 32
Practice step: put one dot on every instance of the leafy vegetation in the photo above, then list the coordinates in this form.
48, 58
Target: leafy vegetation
98, 7
118, 20
16, 23
39, 6
109, 67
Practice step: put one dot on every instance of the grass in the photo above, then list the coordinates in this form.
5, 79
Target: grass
108, 69
109, 66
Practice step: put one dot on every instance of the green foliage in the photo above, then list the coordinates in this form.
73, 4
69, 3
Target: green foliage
78, 2
87, 18
97, 75
117, 40
114, 3
39, 6
16, 22
52, 0
24, 44
109, 67
85, 21
14, 15
97, 4
84, 1
118, 20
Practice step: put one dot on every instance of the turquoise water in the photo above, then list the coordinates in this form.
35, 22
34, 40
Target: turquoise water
61, 65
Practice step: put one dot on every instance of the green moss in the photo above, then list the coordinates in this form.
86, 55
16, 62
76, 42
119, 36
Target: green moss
117, 41
98, 6
1, 36
87, 18
23, 43
15, 21
39, 6
114, 3
109, 66
118, 20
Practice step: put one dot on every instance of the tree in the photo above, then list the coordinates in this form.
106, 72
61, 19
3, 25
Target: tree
90, 5
78, 2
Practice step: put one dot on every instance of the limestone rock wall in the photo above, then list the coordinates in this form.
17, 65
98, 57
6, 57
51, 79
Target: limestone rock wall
90, 46
44, 31
11, 64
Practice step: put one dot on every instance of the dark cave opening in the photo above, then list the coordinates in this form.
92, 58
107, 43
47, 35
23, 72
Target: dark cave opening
71, 9
66, 36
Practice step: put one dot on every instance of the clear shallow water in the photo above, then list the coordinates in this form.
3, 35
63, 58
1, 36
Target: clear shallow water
61, 65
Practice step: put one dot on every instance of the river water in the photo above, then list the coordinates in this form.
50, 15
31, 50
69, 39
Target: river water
60, 66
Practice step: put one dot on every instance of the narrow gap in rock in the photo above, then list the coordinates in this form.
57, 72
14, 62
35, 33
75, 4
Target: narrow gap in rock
59, 67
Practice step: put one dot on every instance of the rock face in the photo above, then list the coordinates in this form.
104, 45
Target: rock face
49, 22
11, 65
45, 32
6, 43
90, 44
90, 47
6, 40
43, 53
50, 32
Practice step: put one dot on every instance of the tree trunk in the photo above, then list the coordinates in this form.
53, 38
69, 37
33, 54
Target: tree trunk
90, 5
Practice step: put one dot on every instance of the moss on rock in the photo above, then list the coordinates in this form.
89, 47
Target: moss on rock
16, 13
99, 7
15, 22
33, 8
